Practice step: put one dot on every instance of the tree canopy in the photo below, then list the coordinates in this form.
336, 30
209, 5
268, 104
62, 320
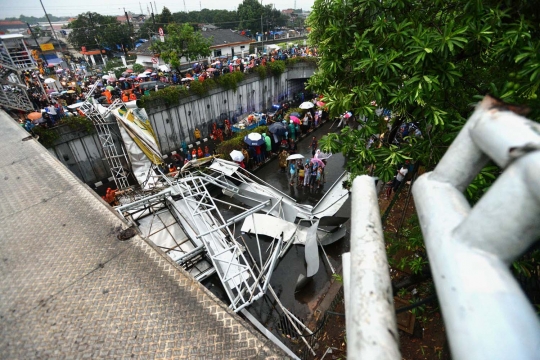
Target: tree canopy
182, 41
250, 12
427, 62
94, 30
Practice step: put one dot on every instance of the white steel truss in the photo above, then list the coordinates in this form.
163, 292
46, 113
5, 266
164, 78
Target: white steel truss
114, 159
235, 273
14, 58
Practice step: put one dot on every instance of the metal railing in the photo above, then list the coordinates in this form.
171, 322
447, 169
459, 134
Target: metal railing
486, 314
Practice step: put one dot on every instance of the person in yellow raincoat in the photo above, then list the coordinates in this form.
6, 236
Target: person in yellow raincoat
197, 134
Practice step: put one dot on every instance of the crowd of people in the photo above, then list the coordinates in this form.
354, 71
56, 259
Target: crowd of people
56, 90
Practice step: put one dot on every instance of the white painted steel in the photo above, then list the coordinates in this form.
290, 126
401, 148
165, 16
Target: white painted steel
372, 328
486, 314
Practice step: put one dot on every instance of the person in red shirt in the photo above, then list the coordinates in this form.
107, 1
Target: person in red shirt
194, 154
258, 157
200, 153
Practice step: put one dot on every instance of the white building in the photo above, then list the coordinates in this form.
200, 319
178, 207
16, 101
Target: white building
225, 42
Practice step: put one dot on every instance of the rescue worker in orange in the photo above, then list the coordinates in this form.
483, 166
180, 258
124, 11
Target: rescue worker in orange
132, 96
200, 153
194, 154
108, 95
124, 97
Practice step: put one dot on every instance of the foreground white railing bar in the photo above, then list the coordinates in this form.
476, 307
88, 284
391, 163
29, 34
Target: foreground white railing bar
486, 314
371, 320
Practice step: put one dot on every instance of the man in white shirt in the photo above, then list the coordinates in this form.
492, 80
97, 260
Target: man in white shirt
400, 176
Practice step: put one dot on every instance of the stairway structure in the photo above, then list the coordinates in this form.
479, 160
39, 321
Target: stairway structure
14, 59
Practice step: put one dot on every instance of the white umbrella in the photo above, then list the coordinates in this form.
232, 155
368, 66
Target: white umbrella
237, 155
295, 157
187, 79
49, 81
306, 105
254, 136
323, 156
142, 75
105, 77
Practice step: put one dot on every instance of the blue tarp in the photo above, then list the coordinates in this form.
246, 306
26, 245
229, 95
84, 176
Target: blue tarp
52, 59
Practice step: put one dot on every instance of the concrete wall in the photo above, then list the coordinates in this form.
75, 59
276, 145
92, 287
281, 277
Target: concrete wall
176, 124
82, 153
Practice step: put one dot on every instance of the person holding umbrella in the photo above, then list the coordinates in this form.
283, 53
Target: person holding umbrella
292, 132
267, 145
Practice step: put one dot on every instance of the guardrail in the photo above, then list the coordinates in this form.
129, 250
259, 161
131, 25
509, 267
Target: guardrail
486, 314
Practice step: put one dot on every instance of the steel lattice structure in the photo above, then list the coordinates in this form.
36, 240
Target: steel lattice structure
114, 159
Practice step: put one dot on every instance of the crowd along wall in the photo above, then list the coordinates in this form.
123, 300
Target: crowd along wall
173, 125
82, 153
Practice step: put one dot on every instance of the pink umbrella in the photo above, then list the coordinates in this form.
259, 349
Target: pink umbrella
211, 69
347, 115
318, 161
294, 119
320, 104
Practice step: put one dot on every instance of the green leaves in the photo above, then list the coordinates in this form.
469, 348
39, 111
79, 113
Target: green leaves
181, 41
427, 62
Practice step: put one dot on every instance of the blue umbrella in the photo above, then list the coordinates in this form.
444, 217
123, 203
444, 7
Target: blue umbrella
254, 139
295, 114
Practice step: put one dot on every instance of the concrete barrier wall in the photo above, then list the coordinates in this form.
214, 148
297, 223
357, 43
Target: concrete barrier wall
176, 124
82, 153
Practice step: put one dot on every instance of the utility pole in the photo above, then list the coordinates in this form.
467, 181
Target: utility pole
153, 17
262, 35
50, 24
129, 28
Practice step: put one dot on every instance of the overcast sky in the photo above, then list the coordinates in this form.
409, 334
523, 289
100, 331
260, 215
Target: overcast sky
115, 7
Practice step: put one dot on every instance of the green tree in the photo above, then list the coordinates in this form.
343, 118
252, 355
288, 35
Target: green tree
426, 61
249, 14
94, 30
165, 17
182, 41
